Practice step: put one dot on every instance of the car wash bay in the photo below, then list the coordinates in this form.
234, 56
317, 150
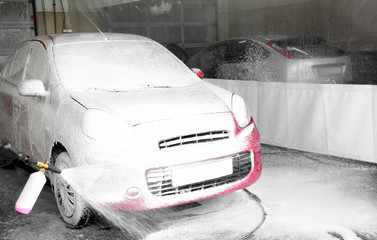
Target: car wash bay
305, 196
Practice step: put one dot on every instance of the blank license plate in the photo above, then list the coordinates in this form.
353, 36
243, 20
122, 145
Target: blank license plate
329, 71
201, 172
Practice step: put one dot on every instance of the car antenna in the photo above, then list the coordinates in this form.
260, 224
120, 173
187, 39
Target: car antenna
99, 30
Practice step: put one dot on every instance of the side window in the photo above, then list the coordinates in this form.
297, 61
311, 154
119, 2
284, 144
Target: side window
37, 66
8, 66
17, 72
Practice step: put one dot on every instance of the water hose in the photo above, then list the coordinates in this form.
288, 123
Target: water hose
257, 199
31, 161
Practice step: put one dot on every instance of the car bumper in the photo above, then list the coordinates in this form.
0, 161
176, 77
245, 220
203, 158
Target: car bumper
149, 180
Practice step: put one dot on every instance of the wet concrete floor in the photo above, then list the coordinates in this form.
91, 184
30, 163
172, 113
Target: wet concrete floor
312, 196
306, 196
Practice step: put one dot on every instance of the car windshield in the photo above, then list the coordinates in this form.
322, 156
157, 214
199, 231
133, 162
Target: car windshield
119, 66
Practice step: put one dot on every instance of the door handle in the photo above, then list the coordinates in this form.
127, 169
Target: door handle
17, 105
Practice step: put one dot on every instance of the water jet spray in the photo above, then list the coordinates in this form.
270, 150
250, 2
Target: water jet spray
35, 183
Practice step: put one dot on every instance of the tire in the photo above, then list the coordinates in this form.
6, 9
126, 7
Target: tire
71, 205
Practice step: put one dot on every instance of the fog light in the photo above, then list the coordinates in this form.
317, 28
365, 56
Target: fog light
132, 192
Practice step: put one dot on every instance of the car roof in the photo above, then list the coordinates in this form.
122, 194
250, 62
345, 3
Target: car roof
70, 38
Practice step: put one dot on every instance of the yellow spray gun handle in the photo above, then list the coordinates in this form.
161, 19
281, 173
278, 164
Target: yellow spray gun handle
42, 165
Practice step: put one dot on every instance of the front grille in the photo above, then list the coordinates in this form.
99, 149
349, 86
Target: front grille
194, 139
159, 180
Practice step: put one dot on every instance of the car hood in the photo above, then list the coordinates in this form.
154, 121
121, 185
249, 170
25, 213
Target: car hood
154, 104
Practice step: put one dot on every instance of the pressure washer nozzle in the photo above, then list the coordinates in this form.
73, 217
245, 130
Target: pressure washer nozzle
47, 167
54, 169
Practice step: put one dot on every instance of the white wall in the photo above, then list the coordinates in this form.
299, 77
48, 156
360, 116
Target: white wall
338, 120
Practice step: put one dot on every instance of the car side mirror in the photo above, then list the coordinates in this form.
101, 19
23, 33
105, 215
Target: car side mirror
32, 88
198, 72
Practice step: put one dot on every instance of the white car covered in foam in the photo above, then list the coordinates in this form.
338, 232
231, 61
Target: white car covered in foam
123, 100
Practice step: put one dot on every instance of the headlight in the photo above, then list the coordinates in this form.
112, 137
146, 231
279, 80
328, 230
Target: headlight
241, 111
100, 125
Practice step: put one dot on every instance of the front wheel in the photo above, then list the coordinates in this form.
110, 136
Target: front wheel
71, 205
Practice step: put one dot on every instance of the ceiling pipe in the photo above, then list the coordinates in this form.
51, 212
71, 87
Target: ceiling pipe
54, 7
44, 17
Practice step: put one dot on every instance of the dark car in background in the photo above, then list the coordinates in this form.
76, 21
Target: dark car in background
363, 54
178, 51
282, 59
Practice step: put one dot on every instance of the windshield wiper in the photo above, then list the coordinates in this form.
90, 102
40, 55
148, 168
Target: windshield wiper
102, 89
151, 86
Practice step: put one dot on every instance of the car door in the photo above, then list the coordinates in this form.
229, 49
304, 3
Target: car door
13, 77
37, 67
6, 101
